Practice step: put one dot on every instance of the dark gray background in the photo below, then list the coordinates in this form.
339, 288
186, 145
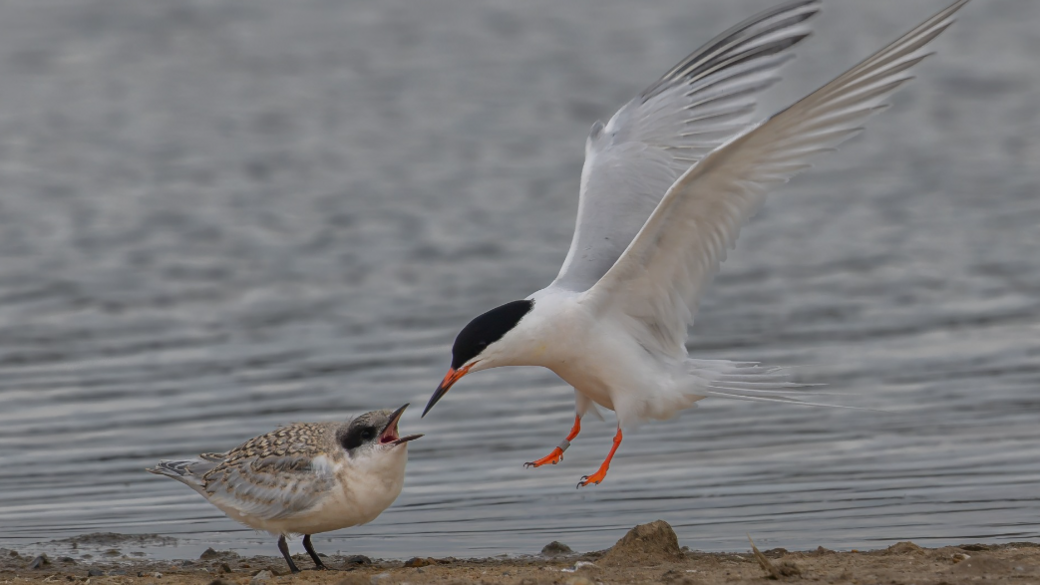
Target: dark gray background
217, 216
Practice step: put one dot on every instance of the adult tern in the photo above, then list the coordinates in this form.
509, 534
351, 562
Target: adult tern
667, 184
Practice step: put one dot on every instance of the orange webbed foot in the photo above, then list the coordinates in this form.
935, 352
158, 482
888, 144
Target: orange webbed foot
551, 459
593, 479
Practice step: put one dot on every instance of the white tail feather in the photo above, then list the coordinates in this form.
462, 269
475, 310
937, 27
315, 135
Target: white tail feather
750, 381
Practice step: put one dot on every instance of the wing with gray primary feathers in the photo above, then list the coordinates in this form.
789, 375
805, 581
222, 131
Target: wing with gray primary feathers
704, 101
272, 476
270, 487
657, 281
278, 474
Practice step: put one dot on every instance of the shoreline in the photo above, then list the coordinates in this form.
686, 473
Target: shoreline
649, 553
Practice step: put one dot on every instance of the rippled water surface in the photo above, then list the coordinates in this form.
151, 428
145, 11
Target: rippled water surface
216, 217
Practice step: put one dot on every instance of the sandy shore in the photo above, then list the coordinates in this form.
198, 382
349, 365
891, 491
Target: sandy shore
649, 553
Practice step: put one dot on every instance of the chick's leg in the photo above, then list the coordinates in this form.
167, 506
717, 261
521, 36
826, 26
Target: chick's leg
284, 548
310, 550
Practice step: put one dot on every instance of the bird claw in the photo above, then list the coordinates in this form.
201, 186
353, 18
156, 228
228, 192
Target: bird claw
594, 479
551, 459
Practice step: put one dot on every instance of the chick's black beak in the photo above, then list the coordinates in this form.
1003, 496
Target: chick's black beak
450, 378
390, 433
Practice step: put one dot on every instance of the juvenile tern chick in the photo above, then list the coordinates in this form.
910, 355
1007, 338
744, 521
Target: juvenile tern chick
304, 478
667, 184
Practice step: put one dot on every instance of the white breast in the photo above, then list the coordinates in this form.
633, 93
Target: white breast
603, 361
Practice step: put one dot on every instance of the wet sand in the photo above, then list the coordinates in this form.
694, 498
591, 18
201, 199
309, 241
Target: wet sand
649, 553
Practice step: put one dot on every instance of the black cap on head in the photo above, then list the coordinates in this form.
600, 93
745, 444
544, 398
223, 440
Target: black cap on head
487, 329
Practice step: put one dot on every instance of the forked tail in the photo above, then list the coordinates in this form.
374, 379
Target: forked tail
751, 381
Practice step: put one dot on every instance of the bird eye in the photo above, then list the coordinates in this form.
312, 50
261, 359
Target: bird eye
368, 434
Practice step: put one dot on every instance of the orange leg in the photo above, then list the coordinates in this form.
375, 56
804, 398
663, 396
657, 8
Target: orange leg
557, 454
602, 472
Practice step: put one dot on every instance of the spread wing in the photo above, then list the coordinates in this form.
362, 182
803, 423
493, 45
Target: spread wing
701, 103
657, 281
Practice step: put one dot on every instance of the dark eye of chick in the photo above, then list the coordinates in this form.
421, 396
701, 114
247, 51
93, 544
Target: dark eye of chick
355, 437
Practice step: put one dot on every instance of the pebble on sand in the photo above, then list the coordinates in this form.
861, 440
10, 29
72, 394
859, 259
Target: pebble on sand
556, 549
261, 577
646, 544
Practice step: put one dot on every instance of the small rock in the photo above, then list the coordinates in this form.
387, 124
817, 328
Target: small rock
359, 560
419, 562
904, 548
219, 582
975, 547
113, 552
95, 573
645, 544
117, 572
67, 560
208, 554
187, 563
39, 562
789, 569
419, 570
224, 567
261, 577
555, 549
157, 575
576, 580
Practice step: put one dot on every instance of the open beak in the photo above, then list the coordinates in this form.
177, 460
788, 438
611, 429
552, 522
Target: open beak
390, 435
450, 378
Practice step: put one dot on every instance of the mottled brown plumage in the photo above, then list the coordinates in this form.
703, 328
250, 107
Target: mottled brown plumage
304, 478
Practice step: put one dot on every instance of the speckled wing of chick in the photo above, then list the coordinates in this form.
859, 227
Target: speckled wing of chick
276, 475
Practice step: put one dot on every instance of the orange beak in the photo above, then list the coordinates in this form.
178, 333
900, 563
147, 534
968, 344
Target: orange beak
450, 378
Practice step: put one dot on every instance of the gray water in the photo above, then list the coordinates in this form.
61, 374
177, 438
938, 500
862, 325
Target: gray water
217, 217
